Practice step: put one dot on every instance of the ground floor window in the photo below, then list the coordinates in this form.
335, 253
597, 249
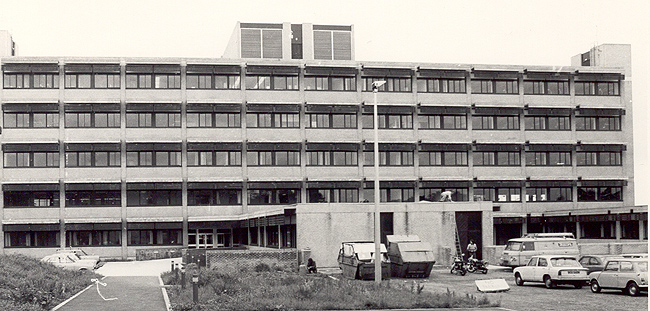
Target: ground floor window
94, 238
155, 237
598, 230
433, 194
505, 232
630, 229
32, 239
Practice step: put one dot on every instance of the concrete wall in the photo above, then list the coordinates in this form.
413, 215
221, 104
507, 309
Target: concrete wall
322, 227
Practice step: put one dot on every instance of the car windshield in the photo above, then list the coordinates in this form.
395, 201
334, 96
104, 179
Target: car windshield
513, 246
565, 262
643, 266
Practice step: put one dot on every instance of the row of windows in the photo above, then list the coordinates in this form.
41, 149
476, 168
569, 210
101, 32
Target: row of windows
290, 82
312, 120
313, 158
212, 197
78, 238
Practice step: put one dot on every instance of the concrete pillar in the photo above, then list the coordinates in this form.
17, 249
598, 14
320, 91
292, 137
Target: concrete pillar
578, 231
279, 237
618, 230
642, 230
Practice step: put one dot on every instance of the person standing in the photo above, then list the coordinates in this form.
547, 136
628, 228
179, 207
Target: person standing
471, 249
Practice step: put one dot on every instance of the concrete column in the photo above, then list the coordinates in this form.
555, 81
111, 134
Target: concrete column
578, 231
641, 230
279, 236
618, 230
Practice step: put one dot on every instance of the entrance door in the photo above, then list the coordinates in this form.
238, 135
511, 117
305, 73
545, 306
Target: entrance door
470, 228
205, 240
221, 240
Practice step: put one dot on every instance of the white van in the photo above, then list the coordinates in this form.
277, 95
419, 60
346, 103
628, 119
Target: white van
518, 251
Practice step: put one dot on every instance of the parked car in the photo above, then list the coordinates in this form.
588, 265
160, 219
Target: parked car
518, 251
627, 274
79, 252
71, 261
552, 270
636, 255
596, 262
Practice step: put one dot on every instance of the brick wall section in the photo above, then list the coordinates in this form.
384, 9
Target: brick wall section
228, 259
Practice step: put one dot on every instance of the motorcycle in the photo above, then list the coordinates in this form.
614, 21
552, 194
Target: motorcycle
475, 265
458, 267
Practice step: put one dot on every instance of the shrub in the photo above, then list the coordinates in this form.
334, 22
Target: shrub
29, 284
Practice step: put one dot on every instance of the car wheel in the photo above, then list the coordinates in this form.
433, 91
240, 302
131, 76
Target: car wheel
633, 289
548, 282
577, 285
518, 280
595, 287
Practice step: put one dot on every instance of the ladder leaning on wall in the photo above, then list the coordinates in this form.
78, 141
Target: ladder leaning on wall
459, 248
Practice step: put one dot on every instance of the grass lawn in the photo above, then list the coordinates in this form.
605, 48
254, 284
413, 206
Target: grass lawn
27, 284
264, 289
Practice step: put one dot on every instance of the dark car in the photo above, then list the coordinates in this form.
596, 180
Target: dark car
596, 262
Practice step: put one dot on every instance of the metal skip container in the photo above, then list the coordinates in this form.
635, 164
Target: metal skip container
356, 260
409, 256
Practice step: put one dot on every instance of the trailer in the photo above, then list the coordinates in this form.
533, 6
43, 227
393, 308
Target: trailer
410, 257
356, 260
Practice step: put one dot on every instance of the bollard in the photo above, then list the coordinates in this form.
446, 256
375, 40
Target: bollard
195, 287
183, 278
172, 266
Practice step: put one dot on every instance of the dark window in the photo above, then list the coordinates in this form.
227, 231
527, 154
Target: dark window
389, 121
273, 196
138, 81
271, 82
106, 81
447, 122
546, 87
210, 119
31, 119
337, 195
273, 158
391, 85
499, 158
600, 193
330, 83
32, 239
332, 158
599, 158
495, 87
153, 198
78, 81
24, 81
389, 158
153, 158
442, 158
155, 237
598, 123
214, 158
495, 122
333, 120
549, 194
547, 123
207, 197
31, 198
92, 158
597, 88
498, 194
433, 194
548, 158
390, 194
92, 119
219, 82
94, 238
426, 85
286, 120
31, 159
149, 119
167, 81
92, 198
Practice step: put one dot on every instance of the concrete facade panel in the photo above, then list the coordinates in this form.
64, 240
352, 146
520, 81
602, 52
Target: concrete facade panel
153, 95
43, 95
29, 135
153, 174
152, 134
551, 172
271, 97
499, 172
94, 135
91, 214
31, 175
162, 213
384, 98
437, 99
86, 174
541, 207
606, 172
599, 102
329, 135
548, 101
444, 172
509, 137
401, 136
496, 99
273, 172
613, 137
207, 213
211, 96
276, 135
91, 95
215, 135
332, 97
333, 172
555, 137
34, 214
211, 173
444, 136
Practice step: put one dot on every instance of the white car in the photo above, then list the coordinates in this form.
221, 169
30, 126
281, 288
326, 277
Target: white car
71, 261
627, 274
552, 270
79, 252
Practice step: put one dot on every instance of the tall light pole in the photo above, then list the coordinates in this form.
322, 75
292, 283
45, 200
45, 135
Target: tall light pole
375, 87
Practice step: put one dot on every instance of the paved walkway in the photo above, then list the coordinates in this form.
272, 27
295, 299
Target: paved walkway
135, 284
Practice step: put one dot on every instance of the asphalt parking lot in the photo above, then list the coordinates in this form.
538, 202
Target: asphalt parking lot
532, 296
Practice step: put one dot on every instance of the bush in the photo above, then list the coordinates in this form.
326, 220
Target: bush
29, 284
268, 289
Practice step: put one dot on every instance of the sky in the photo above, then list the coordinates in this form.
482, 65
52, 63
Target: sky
541, 32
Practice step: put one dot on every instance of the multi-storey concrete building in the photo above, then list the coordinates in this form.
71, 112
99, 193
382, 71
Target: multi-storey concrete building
272, 145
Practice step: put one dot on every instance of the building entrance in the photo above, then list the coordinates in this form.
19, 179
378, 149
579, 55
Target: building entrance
201, 239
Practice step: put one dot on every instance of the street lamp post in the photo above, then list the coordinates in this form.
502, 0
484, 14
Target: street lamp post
375, 87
